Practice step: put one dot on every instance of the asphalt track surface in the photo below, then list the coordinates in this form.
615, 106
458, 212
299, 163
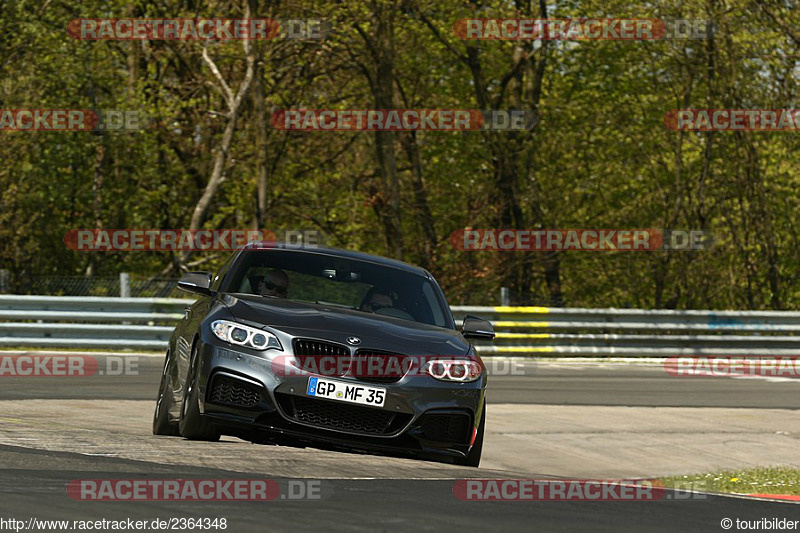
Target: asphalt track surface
360, 492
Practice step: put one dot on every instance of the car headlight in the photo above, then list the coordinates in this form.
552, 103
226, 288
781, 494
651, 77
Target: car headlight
241, 335
458, 370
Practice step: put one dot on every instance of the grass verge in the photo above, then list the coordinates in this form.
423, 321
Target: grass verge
768, 480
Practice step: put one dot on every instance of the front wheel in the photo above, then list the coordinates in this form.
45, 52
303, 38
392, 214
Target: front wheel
193, 425
473, 458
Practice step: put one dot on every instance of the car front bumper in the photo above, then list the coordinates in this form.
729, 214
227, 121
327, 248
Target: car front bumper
243, 395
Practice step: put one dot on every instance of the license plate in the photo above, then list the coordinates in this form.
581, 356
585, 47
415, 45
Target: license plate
346, 392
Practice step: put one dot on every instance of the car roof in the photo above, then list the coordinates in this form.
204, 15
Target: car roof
334, 252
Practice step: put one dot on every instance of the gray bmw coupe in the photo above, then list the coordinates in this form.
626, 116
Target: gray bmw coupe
328, 348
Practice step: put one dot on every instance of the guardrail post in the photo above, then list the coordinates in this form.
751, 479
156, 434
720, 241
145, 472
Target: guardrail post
4, 277
505, 300
124, 285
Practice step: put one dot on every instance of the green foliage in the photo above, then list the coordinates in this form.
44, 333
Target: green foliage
600, 156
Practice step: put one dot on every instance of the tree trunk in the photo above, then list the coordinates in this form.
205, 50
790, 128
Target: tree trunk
389, 211
262, 170
422, 207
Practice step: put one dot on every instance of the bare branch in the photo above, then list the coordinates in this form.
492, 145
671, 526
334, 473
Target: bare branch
440, 37
226, 90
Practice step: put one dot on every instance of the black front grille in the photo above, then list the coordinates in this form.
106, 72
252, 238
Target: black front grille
311, 355
340, 416
389, 367
314, 347
450, 428
226, 390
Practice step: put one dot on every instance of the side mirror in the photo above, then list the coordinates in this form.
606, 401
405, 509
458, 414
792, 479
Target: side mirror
196, 282
477, 328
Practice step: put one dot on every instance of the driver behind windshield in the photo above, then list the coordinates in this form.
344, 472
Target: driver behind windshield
275, 283
376, 299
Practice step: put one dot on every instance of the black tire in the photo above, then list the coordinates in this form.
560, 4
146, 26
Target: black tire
473, 458
192, 425
162, 425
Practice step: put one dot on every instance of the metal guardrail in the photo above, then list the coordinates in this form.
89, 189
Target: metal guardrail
89, 322
638, 332
146, 323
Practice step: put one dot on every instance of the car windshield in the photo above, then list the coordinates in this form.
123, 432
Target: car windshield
336, 281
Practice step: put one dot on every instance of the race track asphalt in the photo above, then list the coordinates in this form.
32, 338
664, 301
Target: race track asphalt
54, 430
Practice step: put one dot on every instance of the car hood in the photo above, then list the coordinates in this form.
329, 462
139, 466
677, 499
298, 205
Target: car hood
335, 324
